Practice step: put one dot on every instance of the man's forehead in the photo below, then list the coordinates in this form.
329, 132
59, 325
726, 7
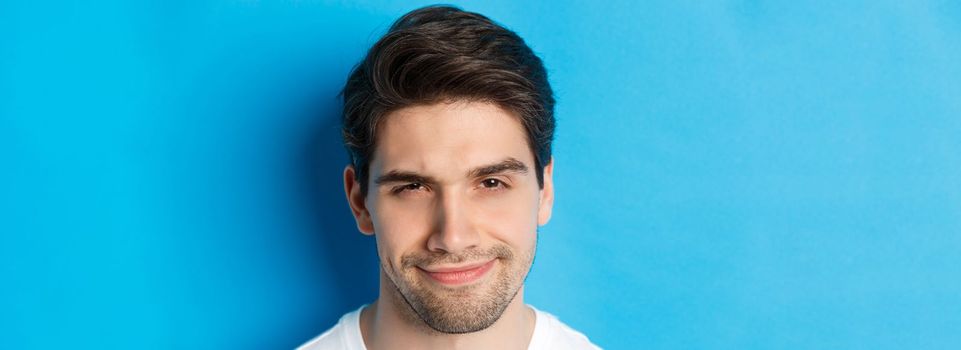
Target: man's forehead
449, 139
457, 116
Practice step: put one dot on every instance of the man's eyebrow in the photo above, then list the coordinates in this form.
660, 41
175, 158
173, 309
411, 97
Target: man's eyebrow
506, 165
403, 176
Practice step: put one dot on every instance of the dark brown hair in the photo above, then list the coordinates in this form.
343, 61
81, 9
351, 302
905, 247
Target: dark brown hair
440, 54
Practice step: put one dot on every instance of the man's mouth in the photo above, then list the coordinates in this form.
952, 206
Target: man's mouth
458, 275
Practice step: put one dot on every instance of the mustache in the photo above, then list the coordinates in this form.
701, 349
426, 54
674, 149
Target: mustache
432, 258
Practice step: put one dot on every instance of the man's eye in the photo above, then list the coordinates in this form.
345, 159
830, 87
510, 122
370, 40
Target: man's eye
409, 187
493, 184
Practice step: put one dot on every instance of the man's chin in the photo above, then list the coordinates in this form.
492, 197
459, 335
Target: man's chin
461, 315
459, 309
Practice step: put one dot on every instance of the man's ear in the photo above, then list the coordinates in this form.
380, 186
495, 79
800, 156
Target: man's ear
358, 204
546, 195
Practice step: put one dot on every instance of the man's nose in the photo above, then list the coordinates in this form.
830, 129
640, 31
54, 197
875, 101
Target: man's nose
452, 231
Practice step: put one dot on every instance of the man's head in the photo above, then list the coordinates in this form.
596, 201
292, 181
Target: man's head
449, 122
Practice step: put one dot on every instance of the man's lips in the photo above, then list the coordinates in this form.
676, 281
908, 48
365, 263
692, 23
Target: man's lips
459, 274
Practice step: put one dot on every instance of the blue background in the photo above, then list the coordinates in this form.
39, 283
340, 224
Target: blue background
730, 174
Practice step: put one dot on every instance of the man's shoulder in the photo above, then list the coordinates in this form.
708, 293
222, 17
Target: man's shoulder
344, 335
551, 333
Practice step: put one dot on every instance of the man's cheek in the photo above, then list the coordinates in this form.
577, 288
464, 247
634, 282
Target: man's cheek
409, 219
507, 206
513, 215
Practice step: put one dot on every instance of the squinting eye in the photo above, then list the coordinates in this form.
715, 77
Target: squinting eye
409, 187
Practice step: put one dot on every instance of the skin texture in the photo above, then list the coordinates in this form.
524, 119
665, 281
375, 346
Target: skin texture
451, 185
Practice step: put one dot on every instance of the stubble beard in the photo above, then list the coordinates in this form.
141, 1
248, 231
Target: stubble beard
463, 309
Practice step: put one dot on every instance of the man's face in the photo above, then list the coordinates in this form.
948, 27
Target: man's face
454, 204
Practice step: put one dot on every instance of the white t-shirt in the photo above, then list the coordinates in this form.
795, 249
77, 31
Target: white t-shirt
549, 333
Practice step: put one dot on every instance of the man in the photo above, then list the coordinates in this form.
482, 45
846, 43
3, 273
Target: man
448, 121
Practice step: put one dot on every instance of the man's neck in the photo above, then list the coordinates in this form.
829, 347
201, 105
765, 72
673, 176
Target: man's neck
385, 326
